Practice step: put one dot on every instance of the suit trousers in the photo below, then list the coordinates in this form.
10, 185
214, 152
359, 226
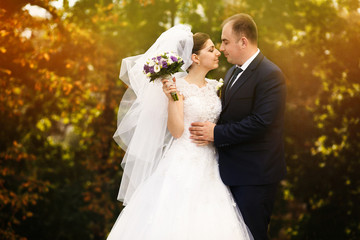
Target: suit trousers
256, 204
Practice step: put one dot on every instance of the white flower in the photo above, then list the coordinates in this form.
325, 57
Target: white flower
157, 68
151, 63
219, 85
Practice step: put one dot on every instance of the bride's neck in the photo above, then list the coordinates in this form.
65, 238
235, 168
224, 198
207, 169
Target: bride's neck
197, 76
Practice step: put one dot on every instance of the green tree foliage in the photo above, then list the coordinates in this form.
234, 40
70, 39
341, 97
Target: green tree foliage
327, 178
59, 119
59, 92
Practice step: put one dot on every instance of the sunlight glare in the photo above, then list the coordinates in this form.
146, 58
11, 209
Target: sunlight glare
36, 11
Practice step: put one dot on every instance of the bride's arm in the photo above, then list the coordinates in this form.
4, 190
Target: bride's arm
175, 121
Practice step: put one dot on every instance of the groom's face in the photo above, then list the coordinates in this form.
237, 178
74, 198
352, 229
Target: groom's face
230, 45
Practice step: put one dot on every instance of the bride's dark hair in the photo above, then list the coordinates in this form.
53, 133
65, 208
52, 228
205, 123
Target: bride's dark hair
199, 41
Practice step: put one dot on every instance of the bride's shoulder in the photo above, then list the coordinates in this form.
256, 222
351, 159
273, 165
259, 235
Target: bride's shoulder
213, 82
182, 85
181, 82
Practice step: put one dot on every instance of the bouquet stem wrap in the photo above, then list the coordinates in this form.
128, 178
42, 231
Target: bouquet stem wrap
174, 95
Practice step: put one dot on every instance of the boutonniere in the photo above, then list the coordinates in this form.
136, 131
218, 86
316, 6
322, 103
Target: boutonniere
219, 86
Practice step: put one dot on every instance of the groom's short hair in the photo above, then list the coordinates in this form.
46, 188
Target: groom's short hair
243, 25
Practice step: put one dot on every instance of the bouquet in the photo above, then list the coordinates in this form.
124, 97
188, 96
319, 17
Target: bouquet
163, 66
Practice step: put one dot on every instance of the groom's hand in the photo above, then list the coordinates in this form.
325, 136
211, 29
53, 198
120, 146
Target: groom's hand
202, 133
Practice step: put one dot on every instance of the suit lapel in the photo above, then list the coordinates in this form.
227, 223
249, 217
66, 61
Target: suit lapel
243, 78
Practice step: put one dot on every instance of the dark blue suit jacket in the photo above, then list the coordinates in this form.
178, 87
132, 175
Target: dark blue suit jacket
249, 133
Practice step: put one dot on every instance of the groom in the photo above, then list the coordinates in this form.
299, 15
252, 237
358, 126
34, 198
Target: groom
249, 133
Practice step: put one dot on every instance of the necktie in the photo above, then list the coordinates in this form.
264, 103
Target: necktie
232, 79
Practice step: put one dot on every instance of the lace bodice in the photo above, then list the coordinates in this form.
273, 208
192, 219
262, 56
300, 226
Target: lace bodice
200, 104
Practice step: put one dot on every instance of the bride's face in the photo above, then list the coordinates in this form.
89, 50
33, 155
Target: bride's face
209, 56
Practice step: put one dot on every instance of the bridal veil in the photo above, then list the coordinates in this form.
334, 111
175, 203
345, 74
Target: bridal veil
142, 116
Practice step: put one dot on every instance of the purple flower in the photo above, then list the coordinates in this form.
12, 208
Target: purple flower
146, 68
174, 59
164, 64
151, 69
159, 58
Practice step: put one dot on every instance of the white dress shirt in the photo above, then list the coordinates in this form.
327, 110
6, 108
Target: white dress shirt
245, 65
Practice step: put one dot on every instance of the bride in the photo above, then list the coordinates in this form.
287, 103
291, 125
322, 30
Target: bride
171, 187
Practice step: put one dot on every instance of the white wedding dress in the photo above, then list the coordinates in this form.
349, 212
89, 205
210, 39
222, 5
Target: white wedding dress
184, 199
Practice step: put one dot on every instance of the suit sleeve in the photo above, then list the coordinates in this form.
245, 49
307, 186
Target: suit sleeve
269, 104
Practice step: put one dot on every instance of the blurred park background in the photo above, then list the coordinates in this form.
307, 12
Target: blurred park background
59, 94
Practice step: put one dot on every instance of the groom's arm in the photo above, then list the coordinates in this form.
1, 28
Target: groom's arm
269, 103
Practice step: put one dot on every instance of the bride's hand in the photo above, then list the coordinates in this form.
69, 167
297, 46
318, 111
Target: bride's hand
169, 87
